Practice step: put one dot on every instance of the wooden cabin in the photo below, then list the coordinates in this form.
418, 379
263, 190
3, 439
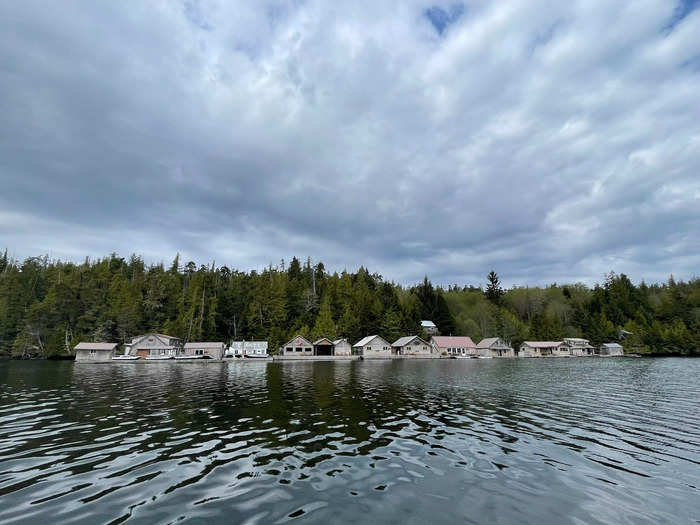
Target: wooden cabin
578, 347
95, 352
494, 347
210, 350
154, 345
411, 345
611, 350
542, 349
372, 346
324, 347
429, 327
299, 346
342, 347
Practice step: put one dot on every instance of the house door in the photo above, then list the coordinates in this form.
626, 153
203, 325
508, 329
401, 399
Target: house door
142, 352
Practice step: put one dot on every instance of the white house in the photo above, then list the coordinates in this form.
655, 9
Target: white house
95, 352
578, 347
342, 347
494, 347
372, 346
152, 345
247, 349
453, 345
411, 345
611, 349
429, 327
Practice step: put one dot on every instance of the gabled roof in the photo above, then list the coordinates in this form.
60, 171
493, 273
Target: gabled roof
321, 341
366, 340
542, 344
612, 345
139, 338
303, 341
427, 324
403, 341
340, 341
444, 341
204, 344
486, 343
95, 346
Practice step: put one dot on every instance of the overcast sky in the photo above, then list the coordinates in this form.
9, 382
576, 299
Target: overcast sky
548, 140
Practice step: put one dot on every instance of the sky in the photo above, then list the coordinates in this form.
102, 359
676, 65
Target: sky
549, 141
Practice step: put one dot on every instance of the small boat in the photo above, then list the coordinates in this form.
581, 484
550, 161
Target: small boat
126, 357
158, 357
461, 357
484, 357
191, 357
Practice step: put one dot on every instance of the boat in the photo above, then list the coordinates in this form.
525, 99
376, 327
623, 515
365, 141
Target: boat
126, 357
158, 357
191, 357
484, 357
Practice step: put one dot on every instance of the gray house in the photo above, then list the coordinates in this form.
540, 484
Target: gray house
342, 347
494, 347
324, 347
578, 347
429, 327
208, 350
411, 345
95, 352
152, 345
299, 346
611, 349
371, 347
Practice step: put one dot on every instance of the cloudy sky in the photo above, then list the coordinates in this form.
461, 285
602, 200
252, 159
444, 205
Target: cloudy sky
548, 140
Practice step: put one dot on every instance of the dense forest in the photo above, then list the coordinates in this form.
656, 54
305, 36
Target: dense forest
48, 306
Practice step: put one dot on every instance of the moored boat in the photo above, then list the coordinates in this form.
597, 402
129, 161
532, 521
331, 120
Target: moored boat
126, 357
191, 357
158, 357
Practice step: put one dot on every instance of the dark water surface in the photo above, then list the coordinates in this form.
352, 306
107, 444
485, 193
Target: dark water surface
449, 441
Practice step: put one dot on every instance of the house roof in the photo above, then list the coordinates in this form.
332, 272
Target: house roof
95, 346
427, 324
612, 345
486, 343
204, 344
368, 339
403, 341
542, 344
299, 338
321, 341
142, 337
339, 341
444, 341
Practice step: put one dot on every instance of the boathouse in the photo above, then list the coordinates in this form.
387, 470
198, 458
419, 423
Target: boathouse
95, 352
494, 347
299, 346
154, 345
342, 347
453, 345
247, 349
542, 349
372, 346
411, 345
208, 350
611, 349
324, 347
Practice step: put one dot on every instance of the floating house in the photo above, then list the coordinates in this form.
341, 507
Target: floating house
411, 345
611, 349
205, 350
494, 347
247, 349
542, 349
95, 352
429, 327
342, 347
324, 347
372, 346
453, 345
154, 345
299, 346
578, 347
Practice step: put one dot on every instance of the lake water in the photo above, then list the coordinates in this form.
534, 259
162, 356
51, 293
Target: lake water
448, 441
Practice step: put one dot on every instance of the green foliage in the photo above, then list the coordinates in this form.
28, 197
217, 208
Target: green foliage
46, 307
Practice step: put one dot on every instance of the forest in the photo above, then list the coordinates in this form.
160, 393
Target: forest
47, 306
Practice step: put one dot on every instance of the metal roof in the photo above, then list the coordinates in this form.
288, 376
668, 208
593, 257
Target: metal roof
542, 344
339, 341
365, 340
444, 341
403, 341
204, 344
427, 324
95, 346
319, 341
304, 341
485, 343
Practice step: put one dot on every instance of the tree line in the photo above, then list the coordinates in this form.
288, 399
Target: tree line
47, 306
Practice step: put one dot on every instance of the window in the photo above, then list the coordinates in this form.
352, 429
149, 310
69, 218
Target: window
199, 352
288, 349
297, 349
93, 352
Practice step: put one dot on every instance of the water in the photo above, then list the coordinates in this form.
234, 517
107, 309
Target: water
449, 441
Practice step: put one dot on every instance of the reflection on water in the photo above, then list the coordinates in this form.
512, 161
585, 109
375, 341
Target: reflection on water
510, 441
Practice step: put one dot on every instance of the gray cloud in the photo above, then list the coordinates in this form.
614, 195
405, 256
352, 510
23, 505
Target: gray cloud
548, 142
